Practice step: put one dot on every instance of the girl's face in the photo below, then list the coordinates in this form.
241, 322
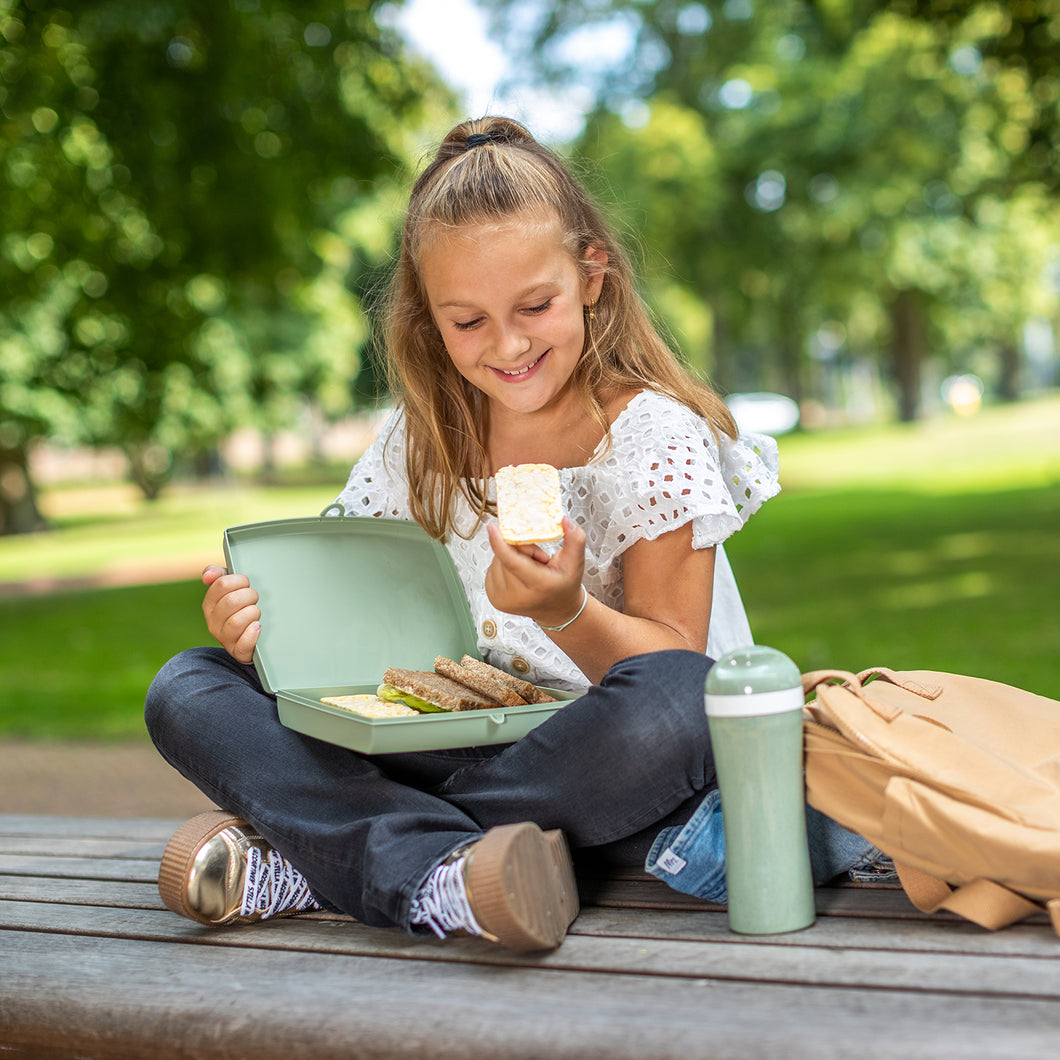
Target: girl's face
509, 301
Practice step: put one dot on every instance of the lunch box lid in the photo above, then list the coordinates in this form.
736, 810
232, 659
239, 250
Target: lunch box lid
343, 597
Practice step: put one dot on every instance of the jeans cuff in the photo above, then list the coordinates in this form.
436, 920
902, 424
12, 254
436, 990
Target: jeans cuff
690, 858
835, 850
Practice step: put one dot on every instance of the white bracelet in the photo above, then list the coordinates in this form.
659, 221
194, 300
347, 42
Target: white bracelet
559, 629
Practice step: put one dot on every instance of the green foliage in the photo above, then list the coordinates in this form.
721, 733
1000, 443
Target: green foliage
885, 171
180, 233
1018, 39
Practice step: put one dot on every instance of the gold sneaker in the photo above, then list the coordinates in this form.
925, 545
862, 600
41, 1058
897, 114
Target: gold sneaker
217, 870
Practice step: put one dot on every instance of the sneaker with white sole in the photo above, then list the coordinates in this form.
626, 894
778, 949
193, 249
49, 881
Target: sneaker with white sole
217, 870
514, 886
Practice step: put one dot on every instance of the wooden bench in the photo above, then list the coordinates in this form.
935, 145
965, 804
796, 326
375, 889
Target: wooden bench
92, 965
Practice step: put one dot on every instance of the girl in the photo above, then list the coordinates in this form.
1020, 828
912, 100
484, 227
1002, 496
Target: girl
514, 335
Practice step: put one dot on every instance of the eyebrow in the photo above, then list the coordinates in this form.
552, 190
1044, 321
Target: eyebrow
526, 293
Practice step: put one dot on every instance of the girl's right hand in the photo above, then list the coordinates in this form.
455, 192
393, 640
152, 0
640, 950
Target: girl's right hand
231, 611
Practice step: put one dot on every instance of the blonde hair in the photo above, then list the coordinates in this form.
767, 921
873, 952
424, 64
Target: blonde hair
504, 173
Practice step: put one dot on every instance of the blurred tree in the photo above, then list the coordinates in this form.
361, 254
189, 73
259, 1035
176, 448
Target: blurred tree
852, 142
173, 250
1020, 41
666, 173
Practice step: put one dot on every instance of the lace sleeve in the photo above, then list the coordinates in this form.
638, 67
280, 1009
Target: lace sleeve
377, 485
666, 468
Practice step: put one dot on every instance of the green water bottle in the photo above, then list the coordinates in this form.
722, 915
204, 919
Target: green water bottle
754, 701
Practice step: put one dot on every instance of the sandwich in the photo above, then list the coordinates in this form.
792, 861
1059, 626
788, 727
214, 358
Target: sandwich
477, 674
430, 692
529, 506
455, 686
481, 681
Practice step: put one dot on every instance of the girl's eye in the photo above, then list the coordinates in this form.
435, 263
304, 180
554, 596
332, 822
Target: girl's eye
539, 308
461, 325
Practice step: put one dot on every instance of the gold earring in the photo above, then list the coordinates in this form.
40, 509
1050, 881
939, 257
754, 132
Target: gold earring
592, 309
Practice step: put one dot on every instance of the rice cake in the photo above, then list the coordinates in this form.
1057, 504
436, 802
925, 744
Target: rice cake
371, 706
529, 507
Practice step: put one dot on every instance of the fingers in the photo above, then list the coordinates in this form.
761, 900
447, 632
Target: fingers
243, 649
501, 549
527, 581
231, 611
211, 574
573, 550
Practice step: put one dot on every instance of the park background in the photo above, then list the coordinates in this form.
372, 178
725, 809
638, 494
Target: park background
852, 204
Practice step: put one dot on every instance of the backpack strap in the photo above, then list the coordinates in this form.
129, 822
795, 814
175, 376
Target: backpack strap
983, 902
902, 681
823, 683
819, 677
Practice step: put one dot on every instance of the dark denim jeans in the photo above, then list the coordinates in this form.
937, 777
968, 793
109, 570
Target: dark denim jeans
630, 756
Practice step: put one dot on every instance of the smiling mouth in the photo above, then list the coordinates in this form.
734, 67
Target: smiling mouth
519, 371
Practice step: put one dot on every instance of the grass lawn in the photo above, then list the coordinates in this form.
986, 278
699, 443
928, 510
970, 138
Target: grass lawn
110, 529
966, 582
934, 546
77, 665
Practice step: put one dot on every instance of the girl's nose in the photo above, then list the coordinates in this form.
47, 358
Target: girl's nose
513, 343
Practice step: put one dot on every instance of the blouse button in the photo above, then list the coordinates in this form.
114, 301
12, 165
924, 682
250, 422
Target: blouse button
489, 629
520, 665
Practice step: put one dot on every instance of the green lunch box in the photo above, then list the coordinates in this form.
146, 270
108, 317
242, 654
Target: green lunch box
342, 598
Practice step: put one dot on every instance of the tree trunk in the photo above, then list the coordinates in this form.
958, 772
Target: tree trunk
720, 373
1008, 386
149, 467
908, 346
791, 347
19, 513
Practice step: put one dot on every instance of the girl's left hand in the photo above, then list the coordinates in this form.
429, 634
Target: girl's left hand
525, 580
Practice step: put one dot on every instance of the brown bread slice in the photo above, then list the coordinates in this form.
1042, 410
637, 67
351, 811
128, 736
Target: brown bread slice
436, 689
531, 693
479, 681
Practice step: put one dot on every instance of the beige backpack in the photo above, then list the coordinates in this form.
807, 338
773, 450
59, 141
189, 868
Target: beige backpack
956, 778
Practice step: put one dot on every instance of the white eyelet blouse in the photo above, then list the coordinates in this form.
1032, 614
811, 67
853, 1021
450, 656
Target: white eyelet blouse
664, 468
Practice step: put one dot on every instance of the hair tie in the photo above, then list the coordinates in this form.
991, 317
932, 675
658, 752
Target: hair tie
478, 139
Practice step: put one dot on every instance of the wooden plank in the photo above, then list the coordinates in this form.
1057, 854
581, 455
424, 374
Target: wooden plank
102, 857
650, 893
953, 936
653, 895
155, 829
119, 893
592, 877
883, 902
645, 972
121, 998
144, 871
82, 846
795, 959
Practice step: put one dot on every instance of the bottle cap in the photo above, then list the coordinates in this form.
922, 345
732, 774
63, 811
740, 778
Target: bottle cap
752, 681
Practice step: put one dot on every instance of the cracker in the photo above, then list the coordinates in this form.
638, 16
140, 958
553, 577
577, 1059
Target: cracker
529, 505
371, 706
